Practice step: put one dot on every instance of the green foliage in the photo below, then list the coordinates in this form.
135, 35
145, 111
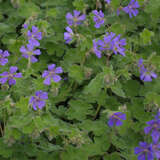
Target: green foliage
146, 36
73, 123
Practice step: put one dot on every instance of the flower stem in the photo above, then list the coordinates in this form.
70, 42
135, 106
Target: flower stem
97, 111
83, 60
29, 62
1, 130
107, 60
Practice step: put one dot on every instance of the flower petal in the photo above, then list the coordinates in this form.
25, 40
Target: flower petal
47, 81
12, 81
13, 69
58, 70
56, 78
51, 67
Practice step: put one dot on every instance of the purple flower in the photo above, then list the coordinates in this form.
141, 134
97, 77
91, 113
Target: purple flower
29, 52
25, 26
34, 35
153, 127
98, 18
144, 151
132, 8
145, 75
95, 49
118, 11
116, 119
38, 100
75, 19
117, 45
141, 66
112, 43
156, 149
106, 44
51, 73
108, 1
3, 59
158, 115
9, 76
68, 35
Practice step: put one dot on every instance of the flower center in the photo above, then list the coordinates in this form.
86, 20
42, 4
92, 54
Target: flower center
99, 18
75, 19
30, 53
37, 98
145, 150
10, 76
116, 117
51, 73
155, 125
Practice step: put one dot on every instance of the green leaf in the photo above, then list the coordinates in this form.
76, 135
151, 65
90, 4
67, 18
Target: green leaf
23, 104
97, 127
78, 110
28, 9
118, 28
117, 89
94, 87
52, 12
39, 123
29, 128
5, 151
77, 73
146, 36
113, 156
131, 88
79, 4
115, 3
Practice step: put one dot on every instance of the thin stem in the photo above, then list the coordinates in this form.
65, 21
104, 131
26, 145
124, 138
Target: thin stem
75, 29
83, 60
39, 111
29, 62
47, 7
107, 60
1, 130
97, 4
4, 124
75, 86
115, 132
97, 111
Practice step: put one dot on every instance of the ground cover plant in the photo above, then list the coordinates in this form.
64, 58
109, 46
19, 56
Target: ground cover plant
79, 80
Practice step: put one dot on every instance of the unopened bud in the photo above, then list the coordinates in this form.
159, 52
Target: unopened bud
88, 72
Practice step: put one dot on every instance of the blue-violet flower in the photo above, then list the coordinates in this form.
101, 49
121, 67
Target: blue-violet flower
131, 8
156, 149
68, 35
29, 52
10, 76
75, 19
95, 48
108, 1
98, 18
25, 26
111, 42
51, 73
145, 75
3, 59
34, 35
154, 128
144, 151
116, 119
117, 45
38, 100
